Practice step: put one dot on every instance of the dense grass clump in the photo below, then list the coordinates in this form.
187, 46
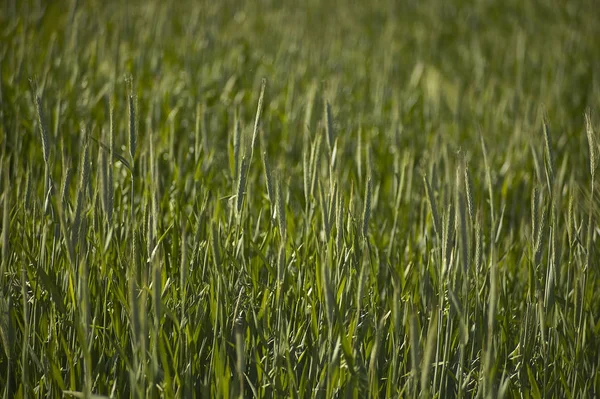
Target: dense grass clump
299, 199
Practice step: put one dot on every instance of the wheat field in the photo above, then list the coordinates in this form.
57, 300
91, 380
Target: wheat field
299, 199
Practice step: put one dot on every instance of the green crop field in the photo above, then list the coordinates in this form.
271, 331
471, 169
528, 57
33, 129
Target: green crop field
227, 199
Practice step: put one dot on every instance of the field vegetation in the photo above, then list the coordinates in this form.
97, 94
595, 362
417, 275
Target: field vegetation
299, 199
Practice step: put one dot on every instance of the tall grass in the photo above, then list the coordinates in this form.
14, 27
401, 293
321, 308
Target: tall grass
169, 263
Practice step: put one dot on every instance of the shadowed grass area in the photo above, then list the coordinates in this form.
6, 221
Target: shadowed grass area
315, 199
